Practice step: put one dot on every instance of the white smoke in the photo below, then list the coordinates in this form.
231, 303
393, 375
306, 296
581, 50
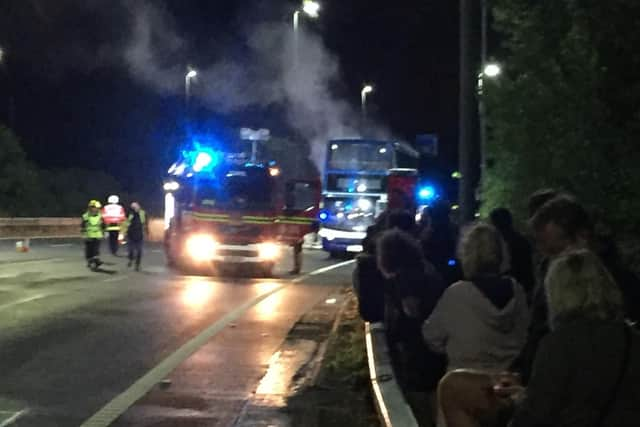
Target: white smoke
276, 67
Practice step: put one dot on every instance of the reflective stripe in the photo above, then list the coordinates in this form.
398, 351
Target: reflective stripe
210, 219
258, 219
296, 219
208, 215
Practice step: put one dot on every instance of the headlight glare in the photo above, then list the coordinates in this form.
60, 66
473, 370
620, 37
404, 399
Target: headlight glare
201, 247
268, 251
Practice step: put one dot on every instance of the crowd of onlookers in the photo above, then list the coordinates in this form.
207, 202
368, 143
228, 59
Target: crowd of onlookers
487, 327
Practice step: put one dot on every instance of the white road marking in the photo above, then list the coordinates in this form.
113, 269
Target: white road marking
62, 245
325, 269
13, 418
24, 301
35, 261
116, 279
116, 407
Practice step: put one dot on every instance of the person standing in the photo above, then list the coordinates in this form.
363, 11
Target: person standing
137, 227
520, 252
114, 217
92, 229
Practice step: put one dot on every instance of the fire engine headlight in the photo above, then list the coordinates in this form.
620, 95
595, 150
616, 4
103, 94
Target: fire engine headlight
201, 247
268, 251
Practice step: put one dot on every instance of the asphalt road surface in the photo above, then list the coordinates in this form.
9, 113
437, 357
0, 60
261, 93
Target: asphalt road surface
151, 348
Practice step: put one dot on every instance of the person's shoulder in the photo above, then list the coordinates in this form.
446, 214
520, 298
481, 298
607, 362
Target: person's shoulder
458, 289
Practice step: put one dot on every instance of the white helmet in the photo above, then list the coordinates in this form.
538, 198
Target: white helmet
113, 199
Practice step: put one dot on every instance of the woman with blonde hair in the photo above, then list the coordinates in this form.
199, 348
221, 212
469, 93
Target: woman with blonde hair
480, 322
586, 371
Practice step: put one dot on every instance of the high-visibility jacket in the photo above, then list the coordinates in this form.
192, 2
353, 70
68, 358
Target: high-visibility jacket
92, 225
113, 216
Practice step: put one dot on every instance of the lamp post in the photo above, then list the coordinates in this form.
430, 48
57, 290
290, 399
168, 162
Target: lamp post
489, 71
366, 89
312, 10
191, 74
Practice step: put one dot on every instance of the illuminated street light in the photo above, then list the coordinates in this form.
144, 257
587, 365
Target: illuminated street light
311, 8
492, 70
191, 74
366, 89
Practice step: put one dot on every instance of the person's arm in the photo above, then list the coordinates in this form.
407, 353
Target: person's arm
434, 329
547, 389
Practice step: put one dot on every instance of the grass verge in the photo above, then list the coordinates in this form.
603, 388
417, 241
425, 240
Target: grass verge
341, 393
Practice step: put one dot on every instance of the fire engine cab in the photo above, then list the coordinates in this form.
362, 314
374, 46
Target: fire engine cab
222, 210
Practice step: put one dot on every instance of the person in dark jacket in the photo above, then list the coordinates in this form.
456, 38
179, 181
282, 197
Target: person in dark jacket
137, 227
587, 370
368, 282
520, 251
412, 290
439, 242
559, 225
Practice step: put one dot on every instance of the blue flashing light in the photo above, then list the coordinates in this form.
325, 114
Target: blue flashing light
427, 193
452, 262
203, 159
323, 216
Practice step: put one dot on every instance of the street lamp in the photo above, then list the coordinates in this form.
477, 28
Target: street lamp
310, 8
366, 89
1, 53
191, 74
492, 70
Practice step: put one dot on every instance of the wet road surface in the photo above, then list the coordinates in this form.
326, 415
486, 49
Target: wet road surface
78, 348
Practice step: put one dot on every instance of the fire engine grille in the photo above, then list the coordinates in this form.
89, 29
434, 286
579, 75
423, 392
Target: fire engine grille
238, 252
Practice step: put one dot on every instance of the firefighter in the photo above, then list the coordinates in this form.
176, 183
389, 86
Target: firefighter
92, 231
137, 227
114, 217
297, 257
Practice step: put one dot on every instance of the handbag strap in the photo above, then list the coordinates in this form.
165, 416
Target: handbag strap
606, 409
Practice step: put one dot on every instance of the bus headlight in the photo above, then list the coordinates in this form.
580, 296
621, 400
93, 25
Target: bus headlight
201, 247
268, 251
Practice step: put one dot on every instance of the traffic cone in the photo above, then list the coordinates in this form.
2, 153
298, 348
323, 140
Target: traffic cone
22, 245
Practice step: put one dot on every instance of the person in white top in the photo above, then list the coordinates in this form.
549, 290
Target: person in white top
480, 322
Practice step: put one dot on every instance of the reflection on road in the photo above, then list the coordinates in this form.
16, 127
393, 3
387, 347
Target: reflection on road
266, 309
197, 293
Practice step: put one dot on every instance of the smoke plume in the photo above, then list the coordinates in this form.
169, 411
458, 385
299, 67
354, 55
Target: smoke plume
274, 67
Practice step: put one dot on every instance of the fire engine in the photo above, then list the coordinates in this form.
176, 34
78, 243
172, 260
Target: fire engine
227, 209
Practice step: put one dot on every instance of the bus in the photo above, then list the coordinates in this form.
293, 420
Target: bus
354, 188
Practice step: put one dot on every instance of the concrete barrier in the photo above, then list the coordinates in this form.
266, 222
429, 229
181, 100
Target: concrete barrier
393, 409
33, 228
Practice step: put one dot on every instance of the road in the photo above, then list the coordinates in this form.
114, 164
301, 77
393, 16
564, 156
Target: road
78, 348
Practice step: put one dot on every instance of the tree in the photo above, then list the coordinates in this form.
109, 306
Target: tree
566, 113
18, 178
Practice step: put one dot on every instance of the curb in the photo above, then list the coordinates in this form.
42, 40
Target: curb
393, 409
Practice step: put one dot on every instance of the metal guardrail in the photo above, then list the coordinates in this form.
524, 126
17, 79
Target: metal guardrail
393, 409
33, 228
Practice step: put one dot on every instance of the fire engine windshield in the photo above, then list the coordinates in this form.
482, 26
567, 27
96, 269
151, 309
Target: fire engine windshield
238, 190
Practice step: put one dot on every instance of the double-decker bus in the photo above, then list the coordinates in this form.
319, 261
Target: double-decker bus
355, 188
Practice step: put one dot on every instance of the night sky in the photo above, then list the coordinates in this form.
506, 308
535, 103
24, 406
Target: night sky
77, 102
